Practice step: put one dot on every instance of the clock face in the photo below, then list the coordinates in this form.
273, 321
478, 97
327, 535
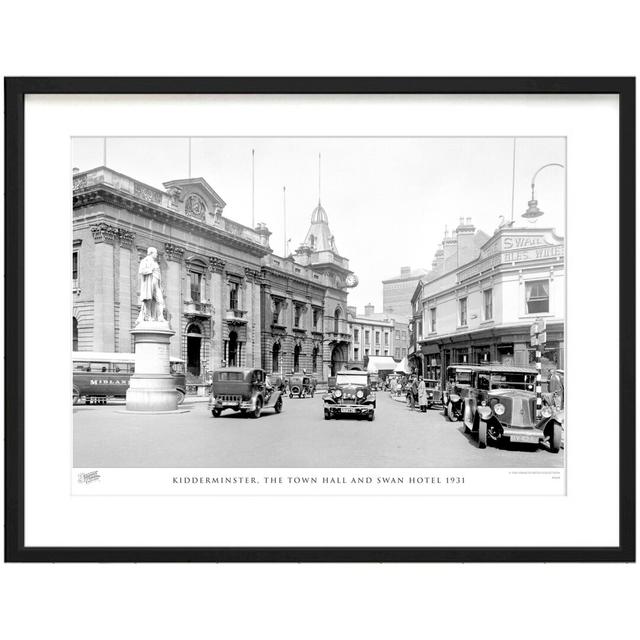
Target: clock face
351, 280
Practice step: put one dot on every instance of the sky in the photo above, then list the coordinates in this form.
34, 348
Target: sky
388, 200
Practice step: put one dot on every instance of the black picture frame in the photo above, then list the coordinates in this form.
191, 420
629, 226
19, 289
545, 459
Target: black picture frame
15, 91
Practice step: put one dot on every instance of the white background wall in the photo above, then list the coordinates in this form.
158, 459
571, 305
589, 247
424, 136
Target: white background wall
289, 38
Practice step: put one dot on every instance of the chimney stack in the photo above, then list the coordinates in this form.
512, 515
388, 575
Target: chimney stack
368, 309
467, 250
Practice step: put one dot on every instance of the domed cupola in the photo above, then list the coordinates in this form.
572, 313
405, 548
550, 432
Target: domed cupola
319, 215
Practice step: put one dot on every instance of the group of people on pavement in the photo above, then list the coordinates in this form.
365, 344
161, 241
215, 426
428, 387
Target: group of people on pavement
414, 388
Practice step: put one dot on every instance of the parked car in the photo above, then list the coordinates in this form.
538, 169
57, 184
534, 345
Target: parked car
456, 389
434, 393
352, 395
301, 385
501, 405
246, 390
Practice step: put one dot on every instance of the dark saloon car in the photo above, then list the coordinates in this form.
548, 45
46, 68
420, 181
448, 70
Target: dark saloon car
301, 385
246, 390
352, 395
501, 405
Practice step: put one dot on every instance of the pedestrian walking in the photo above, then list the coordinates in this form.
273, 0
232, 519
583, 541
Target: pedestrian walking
413, 393
422, 395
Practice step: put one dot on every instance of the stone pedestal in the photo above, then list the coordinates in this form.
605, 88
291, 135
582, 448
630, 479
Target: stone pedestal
151, 387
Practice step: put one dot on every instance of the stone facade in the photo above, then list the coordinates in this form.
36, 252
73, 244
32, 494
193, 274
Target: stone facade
221, 281
210, 268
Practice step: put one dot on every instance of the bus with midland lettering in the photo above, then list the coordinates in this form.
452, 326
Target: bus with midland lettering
99, 376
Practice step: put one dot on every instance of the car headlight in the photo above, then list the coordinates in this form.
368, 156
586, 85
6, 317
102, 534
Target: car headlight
337, 393
454, 397
546, 411
359, 393
499, 409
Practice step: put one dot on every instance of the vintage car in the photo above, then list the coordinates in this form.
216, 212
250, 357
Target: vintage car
301, 385
501, 405
456, 389
246, 390
352, 395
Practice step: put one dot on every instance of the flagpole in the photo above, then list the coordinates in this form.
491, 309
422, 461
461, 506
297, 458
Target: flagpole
513, 179
189, 158
284, 216
253, 189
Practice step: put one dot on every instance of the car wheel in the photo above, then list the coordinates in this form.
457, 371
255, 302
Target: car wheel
556, 438
327, 415
216, 413
181, 395
482, 435
278, 405
371, 417
449, 412
258, 410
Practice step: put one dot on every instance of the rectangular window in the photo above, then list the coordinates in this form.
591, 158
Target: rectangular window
432, 313
366, 337
296, 315
377, 337
195, 285
356, 353
404, 352
316, 318
386, 339
356, 335
74, 268
366, 352
488, 304
397, 353
233, 295
462, 307
397, 335
377, 352
537, 296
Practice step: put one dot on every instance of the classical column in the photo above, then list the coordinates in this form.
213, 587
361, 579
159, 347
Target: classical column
252, 306
174, 295
216, 266
124, 291
104, 320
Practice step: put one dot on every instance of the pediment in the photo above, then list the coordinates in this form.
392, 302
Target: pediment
195, 198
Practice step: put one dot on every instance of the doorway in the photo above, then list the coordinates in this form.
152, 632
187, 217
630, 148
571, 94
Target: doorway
194, 343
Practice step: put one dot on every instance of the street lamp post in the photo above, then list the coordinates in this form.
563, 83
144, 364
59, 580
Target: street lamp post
533, 212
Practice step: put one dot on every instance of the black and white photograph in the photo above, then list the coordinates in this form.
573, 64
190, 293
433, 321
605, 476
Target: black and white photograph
318, 302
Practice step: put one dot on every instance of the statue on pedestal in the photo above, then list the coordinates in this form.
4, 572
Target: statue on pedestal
151, 298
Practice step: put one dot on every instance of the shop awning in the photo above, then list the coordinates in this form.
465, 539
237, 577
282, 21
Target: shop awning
402, 367
381, 363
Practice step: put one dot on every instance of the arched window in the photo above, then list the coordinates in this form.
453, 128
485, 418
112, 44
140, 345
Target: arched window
75, 334
336, 321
